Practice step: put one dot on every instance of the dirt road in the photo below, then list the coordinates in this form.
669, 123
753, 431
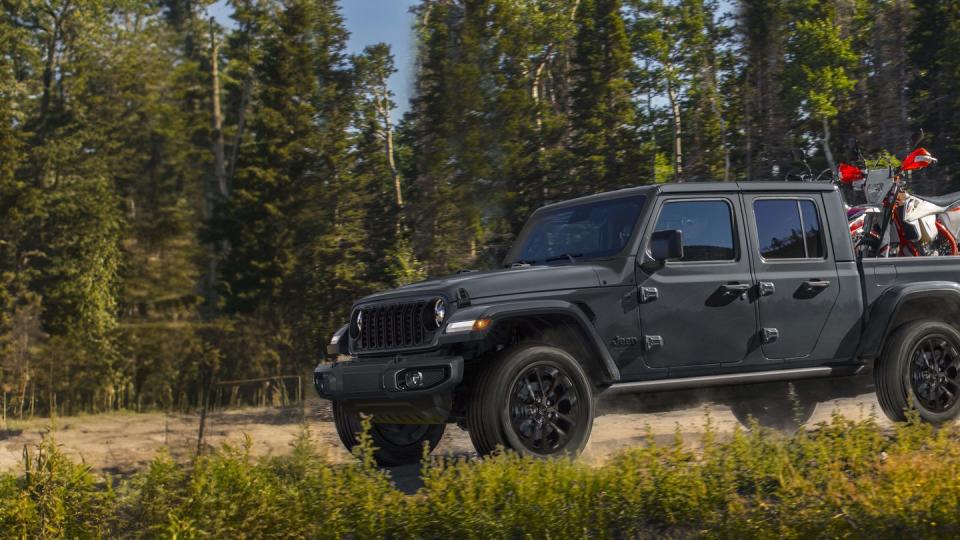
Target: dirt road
121, 443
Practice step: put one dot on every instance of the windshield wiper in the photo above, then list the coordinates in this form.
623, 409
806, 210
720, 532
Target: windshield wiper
571, 256
518, 263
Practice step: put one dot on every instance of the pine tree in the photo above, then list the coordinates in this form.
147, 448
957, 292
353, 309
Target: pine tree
705, 63
534, 41
602, 120
294, 232
878, 112
388, 257
766, 120
442, 213
935, 91
820, 64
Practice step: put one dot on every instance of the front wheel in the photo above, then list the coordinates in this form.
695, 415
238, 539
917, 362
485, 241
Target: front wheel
920, 368
394, 444
535, 400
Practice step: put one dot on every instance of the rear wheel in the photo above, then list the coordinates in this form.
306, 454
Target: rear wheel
395, 444
920, 368
535, 400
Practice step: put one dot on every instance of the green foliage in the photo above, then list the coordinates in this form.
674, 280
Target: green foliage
137, 267
843, 479
820, 62
54, 498
601, 114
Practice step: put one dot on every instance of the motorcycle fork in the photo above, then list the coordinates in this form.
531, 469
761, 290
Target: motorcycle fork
902, 236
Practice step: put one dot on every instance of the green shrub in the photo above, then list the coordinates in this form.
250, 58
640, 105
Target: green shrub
53, 498
843, 479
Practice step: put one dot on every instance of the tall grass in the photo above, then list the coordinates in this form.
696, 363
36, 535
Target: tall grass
845, 479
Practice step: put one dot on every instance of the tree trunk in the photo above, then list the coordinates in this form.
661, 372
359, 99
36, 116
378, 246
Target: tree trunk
383, 109
653, 134
535, 95
747, 131
677, 130
826, 144
220, 171
219, 191
238, 136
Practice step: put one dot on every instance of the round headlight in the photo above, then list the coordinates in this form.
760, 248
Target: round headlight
439, 314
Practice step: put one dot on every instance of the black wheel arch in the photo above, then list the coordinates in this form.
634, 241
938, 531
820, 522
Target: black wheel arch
564, 324
903, 304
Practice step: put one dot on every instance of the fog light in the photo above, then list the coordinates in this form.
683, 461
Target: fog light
412, 379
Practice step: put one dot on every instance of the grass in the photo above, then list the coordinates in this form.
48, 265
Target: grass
844, 479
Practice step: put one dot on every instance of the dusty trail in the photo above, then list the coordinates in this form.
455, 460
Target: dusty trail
121, 443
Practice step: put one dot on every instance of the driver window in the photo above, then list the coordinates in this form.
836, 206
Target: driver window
707, 229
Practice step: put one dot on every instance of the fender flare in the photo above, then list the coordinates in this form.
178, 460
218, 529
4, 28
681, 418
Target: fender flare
885, 310
502, 311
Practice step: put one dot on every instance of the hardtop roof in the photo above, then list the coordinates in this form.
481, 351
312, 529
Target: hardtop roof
699, 187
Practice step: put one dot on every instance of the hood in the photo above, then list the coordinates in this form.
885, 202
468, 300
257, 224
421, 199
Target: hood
527, 279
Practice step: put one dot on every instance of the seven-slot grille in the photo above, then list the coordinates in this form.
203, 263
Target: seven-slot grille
393, 326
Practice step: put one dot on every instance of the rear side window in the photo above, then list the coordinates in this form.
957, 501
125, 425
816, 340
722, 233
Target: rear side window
707, 228
788, 229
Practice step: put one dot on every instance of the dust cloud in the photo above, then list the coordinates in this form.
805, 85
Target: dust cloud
122, 443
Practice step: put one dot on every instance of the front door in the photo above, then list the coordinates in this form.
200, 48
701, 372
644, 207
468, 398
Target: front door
698, 310
796, 273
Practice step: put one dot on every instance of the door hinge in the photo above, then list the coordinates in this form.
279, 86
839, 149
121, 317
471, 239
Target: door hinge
770, 335
767, 288
648, 294
652, 342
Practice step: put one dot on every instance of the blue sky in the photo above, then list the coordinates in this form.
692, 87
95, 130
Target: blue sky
371, 21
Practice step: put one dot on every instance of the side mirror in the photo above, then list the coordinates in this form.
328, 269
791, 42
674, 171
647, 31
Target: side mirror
666, 245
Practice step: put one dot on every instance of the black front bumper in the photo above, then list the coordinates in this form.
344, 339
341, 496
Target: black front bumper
379, 387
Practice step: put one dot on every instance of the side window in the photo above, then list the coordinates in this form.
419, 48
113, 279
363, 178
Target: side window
707, 228
788, 229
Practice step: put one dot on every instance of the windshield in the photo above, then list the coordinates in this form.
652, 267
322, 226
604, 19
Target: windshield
586, 231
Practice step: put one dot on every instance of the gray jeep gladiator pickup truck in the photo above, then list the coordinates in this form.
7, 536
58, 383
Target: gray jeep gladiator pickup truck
657, 290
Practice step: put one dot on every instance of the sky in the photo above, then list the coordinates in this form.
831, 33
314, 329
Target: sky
369, 22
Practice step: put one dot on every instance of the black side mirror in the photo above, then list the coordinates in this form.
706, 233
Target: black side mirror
666, 245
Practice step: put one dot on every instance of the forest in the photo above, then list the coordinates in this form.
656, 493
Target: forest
184, 202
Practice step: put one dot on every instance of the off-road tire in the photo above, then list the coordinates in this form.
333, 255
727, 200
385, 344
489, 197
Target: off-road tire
389, 450
489, 419
779, 407
893, 371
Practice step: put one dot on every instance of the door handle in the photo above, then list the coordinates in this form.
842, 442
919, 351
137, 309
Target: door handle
766, 288
816, 284
734, 288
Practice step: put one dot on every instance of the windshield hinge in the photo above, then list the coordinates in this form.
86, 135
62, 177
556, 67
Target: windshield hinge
463, 298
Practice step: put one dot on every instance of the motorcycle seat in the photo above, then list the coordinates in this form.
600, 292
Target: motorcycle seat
946, 201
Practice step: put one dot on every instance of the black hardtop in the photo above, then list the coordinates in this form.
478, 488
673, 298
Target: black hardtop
697, 187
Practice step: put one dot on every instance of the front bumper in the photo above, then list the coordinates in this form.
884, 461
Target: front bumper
412, 389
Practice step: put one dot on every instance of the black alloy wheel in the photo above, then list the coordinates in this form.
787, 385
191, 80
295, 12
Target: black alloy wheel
534, 399
919, 369
544, 408
935, 373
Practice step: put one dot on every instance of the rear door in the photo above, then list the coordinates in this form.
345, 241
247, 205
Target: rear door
797, 279
697, 311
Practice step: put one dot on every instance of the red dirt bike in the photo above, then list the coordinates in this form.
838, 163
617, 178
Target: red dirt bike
924, 226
